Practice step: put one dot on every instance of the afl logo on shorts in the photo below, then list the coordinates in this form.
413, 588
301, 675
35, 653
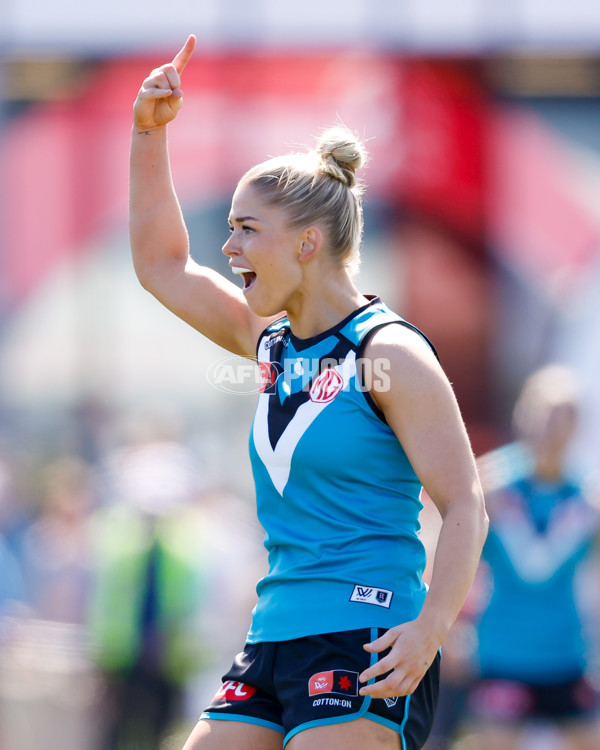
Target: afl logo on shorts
326, 386
234, 691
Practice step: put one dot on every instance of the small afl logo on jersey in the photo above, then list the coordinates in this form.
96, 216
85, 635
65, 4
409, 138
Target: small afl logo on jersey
326, 386
269, 372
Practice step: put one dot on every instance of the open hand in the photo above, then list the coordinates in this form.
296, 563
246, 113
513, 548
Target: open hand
160, 97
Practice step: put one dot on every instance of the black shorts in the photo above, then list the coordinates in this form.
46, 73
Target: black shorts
501, 700
309, 682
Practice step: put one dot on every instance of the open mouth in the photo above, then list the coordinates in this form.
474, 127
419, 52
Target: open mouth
248, 276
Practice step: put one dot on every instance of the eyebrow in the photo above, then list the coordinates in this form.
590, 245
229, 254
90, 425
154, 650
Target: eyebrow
240, 219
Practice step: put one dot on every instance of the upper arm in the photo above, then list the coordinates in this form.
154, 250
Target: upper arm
421, 408
208, 302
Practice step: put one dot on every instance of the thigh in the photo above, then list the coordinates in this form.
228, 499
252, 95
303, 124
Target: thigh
352, 735
232, 735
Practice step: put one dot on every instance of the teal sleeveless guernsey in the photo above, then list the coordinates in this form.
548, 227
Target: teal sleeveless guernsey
336, 494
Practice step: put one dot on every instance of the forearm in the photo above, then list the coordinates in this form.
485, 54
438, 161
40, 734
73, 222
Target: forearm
157, 228
413, 645
457, 556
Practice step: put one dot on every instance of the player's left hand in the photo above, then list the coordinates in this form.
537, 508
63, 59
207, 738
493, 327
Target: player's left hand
412, 652
160, 97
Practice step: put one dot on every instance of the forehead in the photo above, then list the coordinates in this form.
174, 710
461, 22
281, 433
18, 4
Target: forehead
247, 201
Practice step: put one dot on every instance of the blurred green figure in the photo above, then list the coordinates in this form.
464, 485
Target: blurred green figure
147, 599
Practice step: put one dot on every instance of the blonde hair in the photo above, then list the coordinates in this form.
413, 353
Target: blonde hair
320, 187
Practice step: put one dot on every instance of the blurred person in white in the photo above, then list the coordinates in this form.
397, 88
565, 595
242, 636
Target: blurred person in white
160, 570
343, 648
533, 653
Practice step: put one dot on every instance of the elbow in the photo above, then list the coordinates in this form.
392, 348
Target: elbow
145, 278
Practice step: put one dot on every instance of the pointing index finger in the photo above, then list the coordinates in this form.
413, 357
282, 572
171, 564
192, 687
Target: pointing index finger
182, 58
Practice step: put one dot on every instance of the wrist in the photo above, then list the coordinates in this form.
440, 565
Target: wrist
147, 131
435, 624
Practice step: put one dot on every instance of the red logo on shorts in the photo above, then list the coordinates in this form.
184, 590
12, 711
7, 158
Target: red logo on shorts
338, 681
326, 386
234, 691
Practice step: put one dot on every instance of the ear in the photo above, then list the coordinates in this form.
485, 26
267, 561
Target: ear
312, 241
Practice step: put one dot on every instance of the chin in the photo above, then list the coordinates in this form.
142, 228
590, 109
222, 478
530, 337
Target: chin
264, 311
265, 305
262, 308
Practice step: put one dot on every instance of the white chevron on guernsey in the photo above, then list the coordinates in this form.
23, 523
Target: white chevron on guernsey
537, 557
278, 461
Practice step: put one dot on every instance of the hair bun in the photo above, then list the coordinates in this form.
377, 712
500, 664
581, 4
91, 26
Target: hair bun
341, 154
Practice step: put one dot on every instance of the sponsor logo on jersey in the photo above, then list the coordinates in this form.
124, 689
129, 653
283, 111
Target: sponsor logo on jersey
391, 702
326, 386
371, 595
232, 690
339, 681
279, 338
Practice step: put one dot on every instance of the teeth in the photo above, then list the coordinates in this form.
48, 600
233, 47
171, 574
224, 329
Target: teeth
240, 270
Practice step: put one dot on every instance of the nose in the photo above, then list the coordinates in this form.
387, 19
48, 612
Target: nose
229, 248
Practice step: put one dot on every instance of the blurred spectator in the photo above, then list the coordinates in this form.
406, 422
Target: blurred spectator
44, 669
148, 586
532, 652
163, 596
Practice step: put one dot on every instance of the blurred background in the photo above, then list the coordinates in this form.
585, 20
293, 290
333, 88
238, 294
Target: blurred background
116, 453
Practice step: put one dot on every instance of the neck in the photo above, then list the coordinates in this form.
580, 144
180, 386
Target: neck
323, 305
549, 468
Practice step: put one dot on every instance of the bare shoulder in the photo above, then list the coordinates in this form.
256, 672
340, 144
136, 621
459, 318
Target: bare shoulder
408, 359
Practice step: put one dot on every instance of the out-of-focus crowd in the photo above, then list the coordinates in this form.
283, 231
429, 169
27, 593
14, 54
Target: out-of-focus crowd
522, 663
126, 585
127, 578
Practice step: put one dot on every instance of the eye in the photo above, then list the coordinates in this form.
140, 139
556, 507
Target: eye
247, 229
230, 228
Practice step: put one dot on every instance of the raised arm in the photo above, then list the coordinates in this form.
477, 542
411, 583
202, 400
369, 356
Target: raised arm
421, 409
159, 241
